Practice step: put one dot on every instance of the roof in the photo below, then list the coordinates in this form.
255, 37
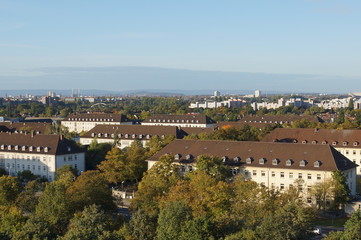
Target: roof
97, 117
49, 144
240, 124
188, 118
336, 138
130, 131
185, 131
279, 119
329, 158
38, 128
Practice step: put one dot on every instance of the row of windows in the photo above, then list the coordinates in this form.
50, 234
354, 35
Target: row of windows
347, 152
70, 158
22, 167
24, 157
93, 119
187, 121
290, 175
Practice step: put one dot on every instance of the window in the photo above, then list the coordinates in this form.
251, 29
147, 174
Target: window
273, 174
282, 174
275, 161
39, 168
317, 164
302, 163
309, 200
300, 188
354, 152
272, 185
249, 160
254, 172
289, 162
346, 151
291, 175
299, 175
190, 168
309, 176
318, 176
282, 186
261, 161
263, 173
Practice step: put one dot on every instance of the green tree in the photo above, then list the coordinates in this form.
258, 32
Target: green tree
341, 192
11, 221
10, 188
213, 166
95, 154
171, 220
143, 226
91, 223
353, 227
90, 188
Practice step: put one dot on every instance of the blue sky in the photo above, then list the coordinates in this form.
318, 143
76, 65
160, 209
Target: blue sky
320, 38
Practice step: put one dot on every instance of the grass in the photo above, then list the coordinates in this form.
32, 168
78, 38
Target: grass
335, 222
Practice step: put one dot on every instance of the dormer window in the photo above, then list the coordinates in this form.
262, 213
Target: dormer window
38, 149
314, 142
236, 159
126, 135
304, 141
113, 135
163, 136
177, 156
334, 143
141, 136
2, 146
303, 163
31, 148
69, 149
355, 144
289, 162
9, 147
324, 142
317, 164
148, 136
46, 149
275, 161
99, 134
106, 135
294, 141
134, 135
344, 143
224, 158
23, 148
262, 161
119, 135
189, 157
249, 160
93, 134
16, 147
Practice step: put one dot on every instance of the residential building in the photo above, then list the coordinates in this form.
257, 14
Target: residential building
83, 122
124, 135
273, 165
189, 120
41, 154
278, 119
22, 127
347, 142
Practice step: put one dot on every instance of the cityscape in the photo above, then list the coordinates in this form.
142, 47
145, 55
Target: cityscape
180, 120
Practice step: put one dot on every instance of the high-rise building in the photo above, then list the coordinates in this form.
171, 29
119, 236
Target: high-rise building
257, 93
216, 93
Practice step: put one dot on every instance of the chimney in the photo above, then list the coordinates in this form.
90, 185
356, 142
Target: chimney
32, 133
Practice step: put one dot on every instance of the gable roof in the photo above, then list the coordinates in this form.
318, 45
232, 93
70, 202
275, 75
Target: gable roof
188, 118
38, 128
336, 138
329, 158
97, 117
132, 131
55, 144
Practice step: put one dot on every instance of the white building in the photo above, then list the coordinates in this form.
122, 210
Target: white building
347, 142
189, 120
213, 104
257, 93
124, 135
41, 154
273, 165
83, 122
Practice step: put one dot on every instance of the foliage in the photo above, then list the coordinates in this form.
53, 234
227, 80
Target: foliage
95, 154
143, 226
10, 188
213, 166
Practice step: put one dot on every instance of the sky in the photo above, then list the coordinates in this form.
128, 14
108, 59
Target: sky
287, 45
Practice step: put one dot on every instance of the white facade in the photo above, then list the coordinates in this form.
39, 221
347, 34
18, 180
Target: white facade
84, 126
43, 165
122, 143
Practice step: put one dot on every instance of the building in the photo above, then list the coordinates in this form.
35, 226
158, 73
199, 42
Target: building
230, 103
41, 154
28, 127
257, 93
273, 165
278, 119
124, 135
83, 122
347, 142
216, 94
189, 120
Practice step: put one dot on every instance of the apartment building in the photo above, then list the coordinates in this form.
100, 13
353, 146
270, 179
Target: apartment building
124, 135
347, 142
273, 165
41, 154
83, 122
189, 120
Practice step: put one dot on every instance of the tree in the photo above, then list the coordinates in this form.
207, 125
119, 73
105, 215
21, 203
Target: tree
322, 192
341, 191
213, 166
156, 184
91, 223
143, 226
95, 154
10, 188
114, 169
353, 227
90, 188
27, 199
66, 174
171, 220
36, 228
11, 221
26, 176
